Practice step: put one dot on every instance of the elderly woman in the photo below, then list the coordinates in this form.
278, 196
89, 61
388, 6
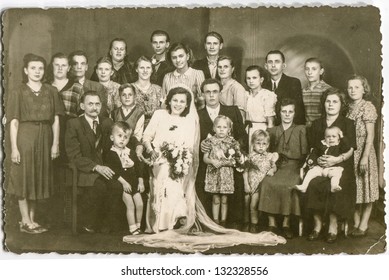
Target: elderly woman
276, 196
319, 199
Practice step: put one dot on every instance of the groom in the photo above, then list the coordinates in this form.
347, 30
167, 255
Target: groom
211, 89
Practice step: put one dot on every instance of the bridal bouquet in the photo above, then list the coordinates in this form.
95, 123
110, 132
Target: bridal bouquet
179, 158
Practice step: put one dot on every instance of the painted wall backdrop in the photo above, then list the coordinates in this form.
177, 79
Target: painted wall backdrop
347, 39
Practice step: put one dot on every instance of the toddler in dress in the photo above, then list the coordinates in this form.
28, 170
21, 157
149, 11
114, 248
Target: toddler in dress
219, 178
332, 145
259, 164
128, 171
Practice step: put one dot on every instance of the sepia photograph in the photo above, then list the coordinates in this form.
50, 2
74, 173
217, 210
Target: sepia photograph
193, 130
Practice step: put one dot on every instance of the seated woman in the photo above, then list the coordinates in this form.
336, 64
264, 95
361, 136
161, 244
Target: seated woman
319, 199
233, 93
276, 194
181, 57
148, 95
122, 69
173, 127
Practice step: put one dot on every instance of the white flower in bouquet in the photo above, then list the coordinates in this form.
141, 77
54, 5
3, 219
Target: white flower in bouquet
178, 169
179, 161
175, 153
231, 152
170, 146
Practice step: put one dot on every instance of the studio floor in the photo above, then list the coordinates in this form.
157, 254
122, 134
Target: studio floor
62, 241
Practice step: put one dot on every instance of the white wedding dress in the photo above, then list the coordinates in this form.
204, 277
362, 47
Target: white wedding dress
170, 199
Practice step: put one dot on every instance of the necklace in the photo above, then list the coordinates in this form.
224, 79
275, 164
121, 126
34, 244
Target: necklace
34, 90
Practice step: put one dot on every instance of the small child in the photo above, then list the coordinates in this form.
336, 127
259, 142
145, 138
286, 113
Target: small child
128, 171
333, 145
219, 178
259, 164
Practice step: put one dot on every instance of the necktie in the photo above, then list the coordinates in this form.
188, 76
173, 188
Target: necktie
274, 86
95, 123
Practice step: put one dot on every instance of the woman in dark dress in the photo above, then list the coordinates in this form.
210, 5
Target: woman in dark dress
122, 69
320, 201
34, 133
276, 195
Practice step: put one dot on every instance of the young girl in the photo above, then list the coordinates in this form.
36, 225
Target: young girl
260, 109
365, 162
33, 112
259, 164
129, 112
233, 93
128, 171
332, 145
104, 71
314, 90
219, 178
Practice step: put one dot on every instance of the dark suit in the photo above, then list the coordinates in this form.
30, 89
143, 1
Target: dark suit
236, 200
81, 149
288, 87
202, 64
164, 68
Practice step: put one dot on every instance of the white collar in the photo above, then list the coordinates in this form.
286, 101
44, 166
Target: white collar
90, 120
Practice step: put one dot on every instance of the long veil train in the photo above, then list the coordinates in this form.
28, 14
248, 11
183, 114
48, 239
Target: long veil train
200, 232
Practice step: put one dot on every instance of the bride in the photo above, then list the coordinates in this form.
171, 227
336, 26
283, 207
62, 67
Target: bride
172, 127
174, 213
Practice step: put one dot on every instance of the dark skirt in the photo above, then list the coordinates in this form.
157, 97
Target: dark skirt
276, 195
319, 198
33, 177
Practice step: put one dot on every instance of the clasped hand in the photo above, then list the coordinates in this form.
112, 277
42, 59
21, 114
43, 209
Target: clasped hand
327, 161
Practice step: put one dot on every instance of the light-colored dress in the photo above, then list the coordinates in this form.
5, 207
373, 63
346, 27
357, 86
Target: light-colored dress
259, 107
167, 201
258, 166
233, 93
220, 180
192, 78
367, 184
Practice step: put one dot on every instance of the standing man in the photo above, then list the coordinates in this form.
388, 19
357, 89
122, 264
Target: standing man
79, 65
85, 139
213, 43
160, 42
283, 86
211, 89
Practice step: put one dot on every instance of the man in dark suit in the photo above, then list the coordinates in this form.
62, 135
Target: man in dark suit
211, 89
85, 139
160, 42
79, 65
213, 43
284, 86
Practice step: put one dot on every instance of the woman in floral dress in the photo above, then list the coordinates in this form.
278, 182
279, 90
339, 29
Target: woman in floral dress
365, 161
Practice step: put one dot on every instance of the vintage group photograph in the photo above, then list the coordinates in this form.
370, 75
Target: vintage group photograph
193, 130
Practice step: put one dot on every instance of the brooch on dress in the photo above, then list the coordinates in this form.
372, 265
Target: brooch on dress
173, 127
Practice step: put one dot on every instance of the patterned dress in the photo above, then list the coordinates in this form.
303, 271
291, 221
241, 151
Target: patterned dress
33, 177
259, 165
220, 180
367, 184
149, 100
